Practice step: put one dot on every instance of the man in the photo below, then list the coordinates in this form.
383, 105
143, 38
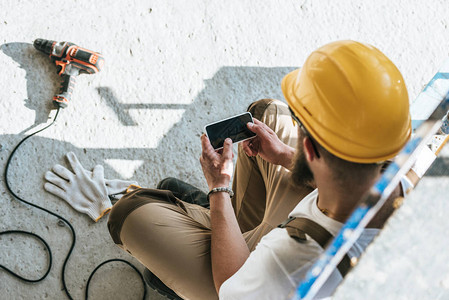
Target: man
351, 107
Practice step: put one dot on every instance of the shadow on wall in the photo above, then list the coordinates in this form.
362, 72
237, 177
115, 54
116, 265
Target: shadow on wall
230, 90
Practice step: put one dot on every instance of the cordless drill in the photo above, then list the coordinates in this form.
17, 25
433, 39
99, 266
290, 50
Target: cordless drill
71, 60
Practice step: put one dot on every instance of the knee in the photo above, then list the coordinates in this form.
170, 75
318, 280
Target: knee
260, 107
129, 203
117, 216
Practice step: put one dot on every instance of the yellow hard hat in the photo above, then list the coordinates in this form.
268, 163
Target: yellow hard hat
352, 99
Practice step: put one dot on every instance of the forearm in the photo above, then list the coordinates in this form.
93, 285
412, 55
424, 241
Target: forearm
228, 247
287, 158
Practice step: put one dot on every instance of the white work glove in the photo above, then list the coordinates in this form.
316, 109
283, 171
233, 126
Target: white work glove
117, 186
87, 192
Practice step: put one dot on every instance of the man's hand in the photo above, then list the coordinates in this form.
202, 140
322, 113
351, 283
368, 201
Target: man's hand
228, 247
268, 146
217, 166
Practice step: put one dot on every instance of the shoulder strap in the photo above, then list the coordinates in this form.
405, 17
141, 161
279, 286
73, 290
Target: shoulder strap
297, 228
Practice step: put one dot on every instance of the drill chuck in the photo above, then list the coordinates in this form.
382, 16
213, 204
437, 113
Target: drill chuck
45, 46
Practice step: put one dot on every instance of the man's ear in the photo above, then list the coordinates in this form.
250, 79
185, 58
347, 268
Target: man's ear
309, 151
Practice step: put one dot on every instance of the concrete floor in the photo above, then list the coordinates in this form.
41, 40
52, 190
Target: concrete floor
171, 67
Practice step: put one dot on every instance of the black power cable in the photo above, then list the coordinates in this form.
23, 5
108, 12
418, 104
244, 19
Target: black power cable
46, 246
112, 260
39, 207
41, 239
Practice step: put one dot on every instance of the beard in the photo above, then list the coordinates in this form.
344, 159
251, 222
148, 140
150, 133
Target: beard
301, 174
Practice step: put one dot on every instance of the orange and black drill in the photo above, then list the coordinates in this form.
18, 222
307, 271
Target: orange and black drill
71, 60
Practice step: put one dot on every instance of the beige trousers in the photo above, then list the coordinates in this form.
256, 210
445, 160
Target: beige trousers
172, 238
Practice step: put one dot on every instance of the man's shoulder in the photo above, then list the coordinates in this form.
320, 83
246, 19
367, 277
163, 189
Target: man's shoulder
304, 207
280, 246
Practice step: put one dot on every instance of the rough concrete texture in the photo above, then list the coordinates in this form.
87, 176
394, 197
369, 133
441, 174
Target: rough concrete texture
172, 67
408, 260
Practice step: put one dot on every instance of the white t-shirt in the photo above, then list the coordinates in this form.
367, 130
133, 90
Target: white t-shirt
279, 263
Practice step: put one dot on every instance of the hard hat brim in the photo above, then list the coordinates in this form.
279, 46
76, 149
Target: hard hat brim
287, 84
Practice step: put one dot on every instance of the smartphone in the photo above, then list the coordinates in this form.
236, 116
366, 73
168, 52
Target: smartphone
233, 128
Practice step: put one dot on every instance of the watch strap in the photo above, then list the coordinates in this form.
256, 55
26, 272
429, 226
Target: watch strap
220, 189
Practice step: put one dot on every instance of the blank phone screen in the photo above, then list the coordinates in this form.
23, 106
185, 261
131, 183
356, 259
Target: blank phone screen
234, 128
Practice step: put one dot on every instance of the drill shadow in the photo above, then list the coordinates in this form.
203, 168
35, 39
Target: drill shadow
41, 79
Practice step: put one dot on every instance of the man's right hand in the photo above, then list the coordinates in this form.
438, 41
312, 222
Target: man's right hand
217, 165
268, 146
